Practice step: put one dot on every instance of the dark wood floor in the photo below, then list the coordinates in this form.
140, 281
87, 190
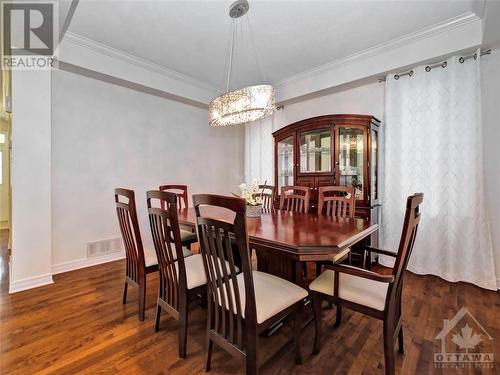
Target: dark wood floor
78, 325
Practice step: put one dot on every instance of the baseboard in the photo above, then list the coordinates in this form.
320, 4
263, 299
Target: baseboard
86, 262
30, 283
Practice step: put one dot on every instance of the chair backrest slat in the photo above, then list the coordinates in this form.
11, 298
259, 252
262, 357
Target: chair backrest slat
295, 198
337, 201
181, 192
408, 235
220, 242
131, 235
163, 220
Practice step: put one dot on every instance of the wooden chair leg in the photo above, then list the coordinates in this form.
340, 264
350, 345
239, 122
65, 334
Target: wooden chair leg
251, 366
125, 288
338, 318
316, 303
400, 340
210, 344
389, 348
297, 328
142, 300
210, 348
183, 323
318, 269
157, 318
304, 269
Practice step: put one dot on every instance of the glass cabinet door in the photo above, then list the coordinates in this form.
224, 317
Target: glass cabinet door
351, 159
285, 162
374, 165
315, 151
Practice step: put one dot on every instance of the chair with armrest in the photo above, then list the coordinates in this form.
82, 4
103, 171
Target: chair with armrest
370, 293
340, 202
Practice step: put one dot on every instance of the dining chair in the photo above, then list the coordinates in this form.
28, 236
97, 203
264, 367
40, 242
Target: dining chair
180, 276
340, 202
243, 305
188, 237
139, 261
295, 198
267, 194
370, 293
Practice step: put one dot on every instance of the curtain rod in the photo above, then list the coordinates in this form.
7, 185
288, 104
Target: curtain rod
441, 64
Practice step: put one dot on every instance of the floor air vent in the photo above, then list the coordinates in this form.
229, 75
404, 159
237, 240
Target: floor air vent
103, 247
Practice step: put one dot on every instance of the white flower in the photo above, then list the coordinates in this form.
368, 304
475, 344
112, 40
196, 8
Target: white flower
247, 193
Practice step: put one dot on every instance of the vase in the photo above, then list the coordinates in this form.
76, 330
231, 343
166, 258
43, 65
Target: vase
254, 211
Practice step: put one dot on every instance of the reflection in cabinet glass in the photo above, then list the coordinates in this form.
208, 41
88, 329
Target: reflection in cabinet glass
285, 162
374, 165
351, 159
315, 151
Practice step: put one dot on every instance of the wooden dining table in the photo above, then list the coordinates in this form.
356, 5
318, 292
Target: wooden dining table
283, 240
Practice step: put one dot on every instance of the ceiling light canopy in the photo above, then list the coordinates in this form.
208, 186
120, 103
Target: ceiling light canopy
244, 105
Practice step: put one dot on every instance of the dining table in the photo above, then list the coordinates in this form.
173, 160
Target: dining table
284, 240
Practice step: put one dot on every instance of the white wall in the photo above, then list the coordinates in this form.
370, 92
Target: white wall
364, 100
31, 187
490, 69
106, 136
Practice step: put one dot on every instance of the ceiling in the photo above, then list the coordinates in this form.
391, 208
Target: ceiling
291, 37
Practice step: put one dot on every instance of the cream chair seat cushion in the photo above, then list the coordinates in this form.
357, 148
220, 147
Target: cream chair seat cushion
150, 258
272, 294
195, 270
187, 235
353, 288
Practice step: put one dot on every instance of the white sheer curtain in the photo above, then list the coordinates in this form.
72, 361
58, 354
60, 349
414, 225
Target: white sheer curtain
259, 149
433, 144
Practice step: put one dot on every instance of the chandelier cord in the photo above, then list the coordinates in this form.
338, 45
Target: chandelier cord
231, 52
255, 51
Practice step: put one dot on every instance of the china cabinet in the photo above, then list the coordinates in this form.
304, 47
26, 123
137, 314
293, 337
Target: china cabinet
331, 150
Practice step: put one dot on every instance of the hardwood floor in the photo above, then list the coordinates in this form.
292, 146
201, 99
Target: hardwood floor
78, 325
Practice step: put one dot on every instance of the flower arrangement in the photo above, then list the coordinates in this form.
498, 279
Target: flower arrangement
249, 193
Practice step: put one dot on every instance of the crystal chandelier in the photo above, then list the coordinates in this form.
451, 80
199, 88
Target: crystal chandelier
244, 105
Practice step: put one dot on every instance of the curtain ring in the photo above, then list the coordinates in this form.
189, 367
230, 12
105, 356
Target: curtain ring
411, 73
396, 77
444, 64
427, 68
475, 56
461, 60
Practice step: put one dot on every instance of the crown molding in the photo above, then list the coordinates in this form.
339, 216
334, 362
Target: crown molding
434, 31
381, 48
82, 41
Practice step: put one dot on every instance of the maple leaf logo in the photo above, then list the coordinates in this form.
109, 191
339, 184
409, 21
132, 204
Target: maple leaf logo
467, 340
